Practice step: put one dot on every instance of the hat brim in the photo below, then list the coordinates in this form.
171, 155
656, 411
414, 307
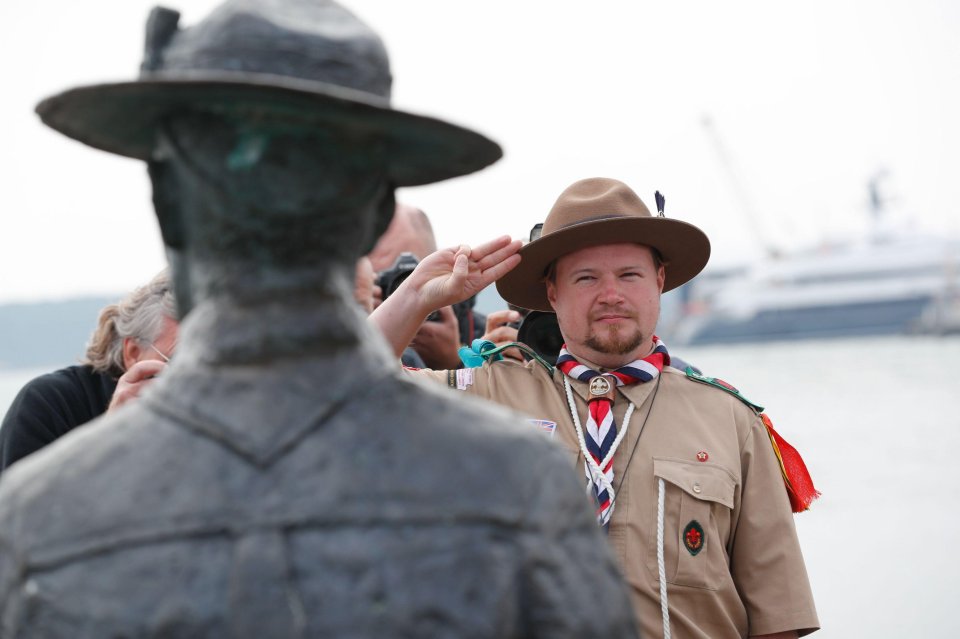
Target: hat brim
684, 248
122, 118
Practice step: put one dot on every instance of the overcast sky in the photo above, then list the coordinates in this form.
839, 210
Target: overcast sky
807, 100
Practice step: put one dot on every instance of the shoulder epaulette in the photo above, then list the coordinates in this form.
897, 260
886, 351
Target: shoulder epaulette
796, 479
722, 385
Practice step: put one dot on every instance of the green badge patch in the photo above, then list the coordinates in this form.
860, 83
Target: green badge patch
693, 537
722, 385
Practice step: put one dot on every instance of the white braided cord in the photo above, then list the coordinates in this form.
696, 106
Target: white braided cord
661, 568
592, 470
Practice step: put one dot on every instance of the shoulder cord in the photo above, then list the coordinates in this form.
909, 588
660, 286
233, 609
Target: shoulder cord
637, 443
488, 352
633, 451
594, 469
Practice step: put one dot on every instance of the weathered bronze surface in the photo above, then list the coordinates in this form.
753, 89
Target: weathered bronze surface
281, 479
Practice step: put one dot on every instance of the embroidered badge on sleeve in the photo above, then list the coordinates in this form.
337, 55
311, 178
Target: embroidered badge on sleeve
545, 425
464, 378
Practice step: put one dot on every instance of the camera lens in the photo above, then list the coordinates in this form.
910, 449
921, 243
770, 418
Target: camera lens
391, 279
541, 332
395, 283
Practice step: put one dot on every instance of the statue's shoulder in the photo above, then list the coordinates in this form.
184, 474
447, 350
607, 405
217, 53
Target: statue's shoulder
715, 382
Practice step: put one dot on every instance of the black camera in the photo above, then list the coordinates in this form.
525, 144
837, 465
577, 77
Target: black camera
391, 279
538, 329
541, 332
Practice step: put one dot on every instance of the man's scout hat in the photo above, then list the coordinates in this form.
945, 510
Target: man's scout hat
298, 64
600, 211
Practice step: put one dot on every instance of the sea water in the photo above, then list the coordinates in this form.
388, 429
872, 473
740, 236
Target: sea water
878, 422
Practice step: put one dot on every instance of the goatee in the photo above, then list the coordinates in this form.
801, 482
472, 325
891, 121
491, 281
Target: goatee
614, 343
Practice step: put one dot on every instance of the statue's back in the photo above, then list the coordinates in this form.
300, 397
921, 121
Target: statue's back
400, 513
279, 479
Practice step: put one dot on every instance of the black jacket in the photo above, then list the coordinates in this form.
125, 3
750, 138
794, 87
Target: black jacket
50, 406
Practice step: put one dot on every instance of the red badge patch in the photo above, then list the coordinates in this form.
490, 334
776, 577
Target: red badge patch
693, 537
702, 456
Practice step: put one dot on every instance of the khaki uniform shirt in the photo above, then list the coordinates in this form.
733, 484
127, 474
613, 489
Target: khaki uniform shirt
719, 470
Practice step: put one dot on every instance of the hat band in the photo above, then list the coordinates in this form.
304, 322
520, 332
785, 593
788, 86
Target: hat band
595, 218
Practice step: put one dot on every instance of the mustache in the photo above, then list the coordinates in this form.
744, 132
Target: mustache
617, 310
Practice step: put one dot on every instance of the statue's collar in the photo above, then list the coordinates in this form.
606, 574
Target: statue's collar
259, 381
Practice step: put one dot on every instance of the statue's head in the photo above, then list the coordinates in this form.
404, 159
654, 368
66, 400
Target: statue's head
269, 136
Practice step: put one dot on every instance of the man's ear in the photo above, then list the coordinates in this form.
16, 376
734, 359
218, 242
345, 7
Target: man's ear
661, 277
551, 293
131, 352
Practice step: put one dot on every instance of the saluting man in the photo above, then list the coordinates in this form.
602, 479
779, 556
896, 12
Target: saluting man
685, 474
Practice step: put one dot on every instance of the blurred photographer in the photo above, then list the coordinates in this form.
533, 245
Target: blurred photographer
406, 241
409, 231
536, 329
131, 345
367, 293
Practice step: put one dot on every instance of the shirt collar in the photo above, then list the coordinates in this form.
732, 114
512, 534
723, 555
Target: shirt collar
636, 393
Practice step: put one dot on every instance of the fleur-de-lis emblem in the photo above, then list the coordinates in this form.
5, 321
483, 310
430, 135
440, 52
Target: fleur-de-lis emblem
693, 537
599, 385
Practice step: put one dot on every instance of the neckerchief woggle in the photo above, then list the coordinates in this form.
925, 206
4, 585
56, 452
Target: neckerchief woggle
600, 429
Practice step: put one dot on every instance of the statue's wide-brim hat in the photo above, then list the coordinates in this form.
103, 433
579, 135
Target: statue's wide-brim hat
595, 212
297, 64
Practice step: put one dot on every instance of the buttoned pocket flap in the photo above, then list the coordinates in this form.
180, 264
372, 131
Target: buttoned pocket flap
700, 480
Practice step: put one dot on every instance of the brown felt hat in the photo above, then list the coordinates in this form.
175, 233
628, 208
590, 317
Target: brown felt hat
600, 211
290, 64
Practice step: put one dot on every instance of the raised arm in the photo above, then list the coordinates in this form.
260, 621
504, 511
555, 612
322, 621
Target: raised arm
442, 278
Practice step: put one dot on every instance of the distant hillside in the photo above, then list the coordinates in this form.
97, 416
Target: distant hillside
55, 334
51, 334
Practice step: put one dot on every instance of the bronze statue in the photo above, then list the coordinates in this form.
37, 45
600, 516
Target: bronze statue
280, 479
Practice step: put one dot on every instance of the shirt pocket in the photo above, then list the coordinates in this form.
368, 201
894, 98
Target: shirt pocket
698, 501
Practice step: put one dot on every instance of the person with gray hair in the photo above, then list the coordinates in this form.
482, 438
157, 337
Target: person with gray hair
131, 345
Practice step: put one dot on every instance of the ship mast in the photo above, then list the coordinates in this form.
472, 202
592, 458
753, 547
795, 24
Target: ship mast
746, 204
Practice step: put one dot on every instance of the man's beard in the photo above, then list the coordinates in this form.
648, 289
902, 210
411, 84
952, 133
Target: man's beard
614, 342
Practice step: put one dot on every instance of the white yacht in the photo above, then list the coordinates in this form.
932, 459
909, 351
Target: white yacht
893, 281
